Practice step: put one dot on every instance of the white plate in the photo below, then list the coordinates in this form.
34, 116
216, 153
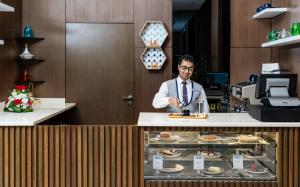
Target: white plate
177, 168
257, 172
212, 173
176, 154
255, 157
216, 155
170, 139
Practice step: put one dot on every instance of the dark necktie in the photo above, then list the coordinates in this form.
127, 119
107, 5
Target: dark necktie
184, 93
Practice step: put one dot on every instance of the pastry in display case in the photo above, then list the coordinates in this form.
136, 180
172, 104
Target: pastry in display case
216, 153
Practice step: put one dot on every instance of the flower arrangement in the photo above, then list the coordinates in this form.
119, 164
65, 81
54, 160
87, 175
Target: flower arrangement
20, 100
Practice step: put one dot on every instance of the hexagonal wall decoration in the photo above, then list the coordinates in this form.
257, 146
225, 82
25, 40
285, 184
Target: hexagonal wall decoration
153, 58
153, 34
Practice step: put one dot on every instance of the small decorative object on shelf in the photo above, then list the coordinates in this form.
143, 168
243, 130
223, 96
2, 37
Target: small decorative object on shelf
26, 76
153, 58
283, 34
153, 34
26, 54
28, 33
273, 35
295, 29
20, 100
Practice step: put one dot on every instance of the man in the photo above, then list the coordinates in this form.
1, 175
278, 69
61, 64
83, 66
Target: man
181, 90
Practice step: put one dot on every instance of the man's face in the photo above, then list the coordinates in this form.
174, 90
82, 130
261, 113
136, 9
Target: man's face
185, 70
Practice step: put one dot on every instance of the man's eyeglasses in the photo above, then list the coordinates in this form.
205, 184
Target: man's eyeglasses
189, 69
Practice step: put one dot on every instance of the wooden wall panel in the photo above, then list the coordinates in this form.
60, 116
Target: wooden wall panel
20, 153
99, 69
47, 19
288, 56
246, 61
245, 31
147, 83
152, 10
10, 24
107, 156
103, 11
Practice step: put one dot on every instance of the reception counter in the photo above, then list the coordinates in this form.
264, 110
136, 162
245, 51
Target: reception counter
114, 155
48, 108
213, 120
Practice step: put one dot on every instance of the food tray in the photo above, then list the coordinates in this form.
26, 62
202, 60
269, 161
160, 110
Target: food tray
192, 116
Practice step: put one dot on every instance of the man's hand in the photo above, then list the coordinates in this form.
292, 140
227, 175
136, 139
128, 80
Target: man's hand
173, 101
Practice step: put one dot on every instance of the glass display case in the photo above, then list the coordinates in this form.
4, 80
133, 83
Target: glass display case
210, 156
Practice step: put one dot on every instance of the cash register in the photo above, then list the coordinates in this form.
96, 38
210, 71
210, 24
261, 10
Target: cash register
277, 93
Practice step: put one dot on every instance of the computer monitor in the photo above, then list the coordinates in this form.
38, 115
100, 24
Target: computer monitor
266, 81
217, 78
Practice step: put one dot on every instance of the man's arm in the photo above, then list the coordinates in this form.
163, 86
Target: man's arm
161, 99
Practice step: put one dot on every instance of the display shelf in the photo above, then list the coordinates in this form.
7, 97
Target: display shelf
1, 42
29, 82
153, 34
6, 8
270, 13
24, 40
282, 42
29, 61
153, 58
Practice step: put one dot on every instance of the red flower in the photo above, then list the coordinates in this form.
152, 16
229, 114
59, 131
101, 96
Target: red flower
29, 103
21, 87
17, 101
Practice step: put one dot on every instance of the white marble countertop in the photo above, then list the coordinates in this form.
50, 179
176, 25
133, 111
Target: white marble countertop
48, 108
213, 120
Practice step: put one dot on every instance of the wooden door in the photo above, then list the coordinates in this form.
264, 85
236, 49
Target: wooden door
99, 72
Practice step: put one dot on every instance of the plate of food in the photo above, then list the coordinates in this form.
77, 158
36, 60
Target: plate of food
213, 170
254, 170
210, 154
176, 168
167, 136
248, 139
209, 138
229, 140
254, 155
169, 153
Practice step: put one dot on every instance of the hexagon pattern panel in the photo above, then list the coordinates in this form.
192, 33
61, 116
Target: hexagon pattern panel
153, 34
153, 58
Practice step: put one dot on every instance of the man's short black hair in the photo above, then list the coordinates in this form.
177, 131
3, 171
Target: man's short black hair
188, 58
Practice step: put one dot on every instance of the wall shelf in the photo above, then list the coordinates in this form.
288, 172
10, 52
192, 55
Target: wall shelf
24, 40
270, 13
29, 82
6, 8
1, 42
29, 61
153, 34
282, 42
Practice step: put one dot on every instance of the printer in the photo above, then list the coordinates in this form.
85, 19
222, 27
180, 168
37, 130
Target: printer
277, 93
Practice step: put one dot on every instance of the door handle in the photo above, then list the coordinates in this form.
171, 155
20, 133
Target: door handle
129, 99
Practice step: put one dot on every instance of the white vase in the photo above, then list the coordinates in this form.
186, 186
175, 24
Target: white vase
26, 54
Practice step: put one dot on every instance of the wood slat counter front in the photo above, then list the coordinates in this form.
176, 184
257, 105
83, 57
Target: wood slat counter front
109, 156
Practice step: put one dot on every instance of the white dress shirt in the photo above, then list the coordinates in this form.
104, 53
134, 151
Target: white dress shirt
161, 98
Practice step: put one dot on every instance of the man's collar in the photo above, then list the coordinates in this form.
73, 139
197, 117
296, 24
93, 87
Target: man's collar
180, 80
